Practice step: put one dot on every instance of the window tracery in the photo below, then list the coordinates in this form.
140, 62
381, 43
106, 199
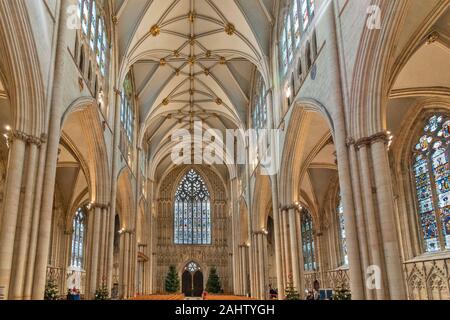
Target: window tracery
78, 239
192, 211
430, 167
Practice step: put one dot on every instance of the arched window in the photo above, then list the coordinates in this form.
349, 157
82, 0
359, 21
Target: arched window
308, 241
431, 176
78, 238
259, 110
127, 115
192, 211
297, 17
342, 234
93, 31
307, 10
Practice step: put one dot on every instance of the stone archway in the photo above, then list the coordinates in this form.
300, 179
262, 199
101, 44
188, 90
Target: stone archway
192, 280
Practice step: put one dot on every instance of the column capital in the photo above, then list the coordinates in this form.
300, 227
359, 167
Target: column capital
294, 206
98, 205
263, 232
126, 231
27, 138
383, 136
350, 141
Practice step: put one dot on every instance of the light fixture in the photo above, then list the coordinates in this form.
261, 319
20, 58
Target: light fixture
8, 128
100, 97
390, 137
288, 92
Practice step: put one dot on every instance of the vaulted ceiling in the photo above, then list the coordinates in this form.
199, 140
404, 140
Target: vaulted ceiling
192, 60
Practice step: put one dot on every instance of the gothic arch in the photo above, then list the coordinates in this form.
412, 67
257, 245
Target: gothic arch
375, 68
21, 69
290, 170
84, 113
243, 225
125, 198
262, 198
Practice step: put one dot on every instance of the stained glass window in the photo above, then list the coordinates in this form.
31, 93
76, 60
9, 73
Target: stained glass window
78, 238
93, 34
307, 10
259, 115
127, 115
308, 241
288, 27
94, 30
431, 177
284, 50
342, 234
192, 211
297, 17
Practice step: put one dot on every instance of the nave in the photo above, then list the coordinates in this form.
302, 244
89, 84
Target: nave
218, 149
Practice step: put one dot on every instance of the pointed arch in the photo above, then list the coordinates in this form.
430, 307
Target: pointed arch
20, 69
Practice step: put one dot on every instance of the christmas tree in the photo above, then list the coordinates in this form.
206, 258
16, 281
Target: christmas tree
342, 293
172, 280
51, 290
291, 293
102, 293
213, 284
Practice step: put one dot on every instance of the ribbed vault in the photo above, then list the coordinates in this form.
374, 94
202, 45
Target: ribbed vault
192, 60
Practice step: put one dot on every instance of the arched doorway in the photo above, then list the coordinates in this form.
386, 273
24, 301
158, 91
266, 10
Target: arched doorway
192, 280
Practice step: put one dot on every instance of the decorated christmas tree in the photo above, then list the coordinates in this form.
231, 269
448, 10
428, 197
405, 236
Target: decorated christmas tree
213, 284
51, 290
172, 280
290, 292
102, 293
342, 293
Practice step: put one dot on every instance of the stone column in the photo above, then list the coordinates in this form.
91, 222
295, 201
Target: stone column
18, 282
301, 264
68, 234
385, 199
261, 265
242, 274
277, 238
238, 281
245, 268
94, 266
103, 246
340, 140
235, 232
282, 251
275, 199
254, 270
359, 211
372, 223
54, 133
10, 210
287, 247
266, 264
294, 247
29, 274
126, 258
112, 217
